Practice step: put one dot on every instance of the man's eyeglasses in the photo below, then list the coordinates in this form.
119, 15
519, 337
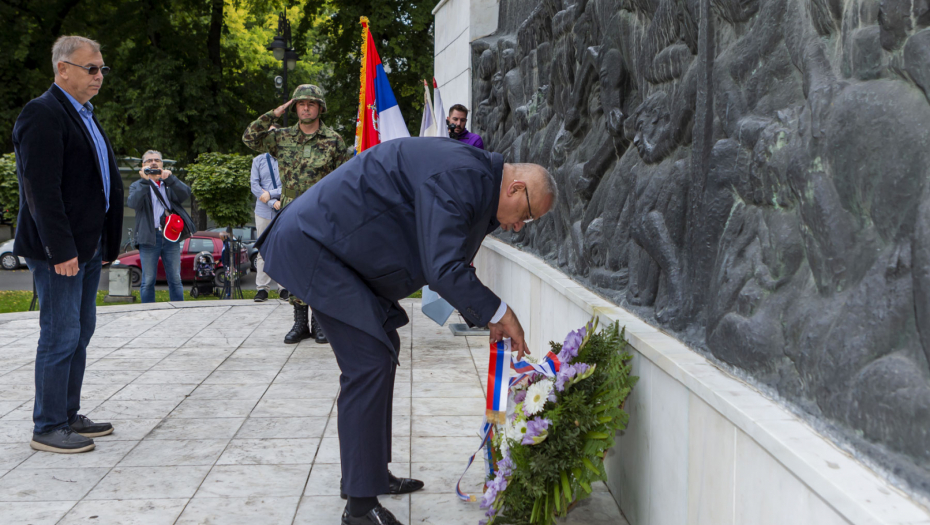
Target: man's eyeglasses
526, 191
149, 161
92, 70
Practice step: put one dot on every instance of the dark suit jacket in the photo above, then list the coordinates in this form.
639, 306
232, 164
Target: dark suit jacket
401, 215
62, 203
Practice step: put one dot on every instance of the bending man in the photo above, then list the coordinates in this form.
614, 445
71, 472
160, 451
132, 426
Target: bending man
401, 215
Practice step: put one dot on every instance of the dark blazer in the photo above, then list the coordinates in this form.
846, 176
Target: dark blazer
61, 200
140, 199
401, 215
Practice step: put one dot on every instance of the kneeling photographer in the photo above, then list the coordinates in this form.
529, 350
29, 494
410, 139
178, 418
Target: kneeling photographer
153, 239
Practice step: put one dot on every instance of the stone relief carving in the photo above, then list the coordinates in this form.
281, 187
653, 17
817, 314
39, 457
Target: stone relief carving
754, 175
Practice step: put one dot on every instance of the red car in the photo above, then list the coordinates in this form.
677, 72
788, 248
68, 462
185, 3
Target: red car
200, 242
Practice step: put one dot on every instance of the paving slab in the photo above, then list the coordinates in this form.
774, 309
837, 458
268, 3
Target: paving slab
218, 421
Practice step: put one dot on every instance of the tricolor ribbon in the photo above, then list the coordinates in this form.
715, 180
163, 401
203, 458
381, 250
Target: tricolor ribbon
500, 380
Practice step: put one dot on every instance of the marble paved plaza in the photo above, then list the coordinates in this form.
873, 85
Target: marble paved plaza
217, 421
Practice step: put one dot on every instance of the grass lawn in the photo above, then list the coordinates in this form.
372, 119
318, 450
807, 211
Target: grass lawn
18, 300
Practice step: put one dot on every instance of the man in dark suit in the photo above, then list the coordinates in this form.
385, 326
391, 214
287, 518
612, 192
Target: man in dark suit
70, 220
401, 215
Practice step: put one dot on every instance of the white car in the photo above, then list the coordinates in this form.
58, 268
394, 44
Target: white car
7, 260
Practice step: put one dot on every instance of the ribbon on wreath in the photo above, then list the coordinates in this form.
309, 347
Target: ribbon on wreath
500, 381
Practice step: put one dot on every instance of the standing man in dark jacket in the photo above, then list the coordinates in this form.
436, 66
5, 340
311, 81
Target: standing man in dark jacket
401, 215
70, 220
150, 238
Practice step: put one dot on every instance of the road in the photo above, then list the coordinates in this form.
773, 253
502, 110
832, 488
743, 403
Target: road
22, 280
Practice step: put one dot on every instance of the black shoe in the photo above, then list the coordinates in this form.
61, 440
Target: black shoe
301, 328
261, 296
284, 294
87, 428
395, 485
376, 516
62, 440
317, 331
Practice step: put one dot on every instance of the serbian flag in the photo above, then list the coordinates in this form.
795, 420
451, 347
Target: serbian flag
379, 118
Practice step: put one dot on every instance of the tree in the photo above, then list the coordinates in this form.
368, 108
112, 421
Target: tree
220, 182
9, 189
403, 33
188, 75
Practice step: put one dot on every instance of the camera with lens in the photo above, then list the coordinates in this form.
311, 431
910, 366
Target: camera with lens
152, 171
451, 127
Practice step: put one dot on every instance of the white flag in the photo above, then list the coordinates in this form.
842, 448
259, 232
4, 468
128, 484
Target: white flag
439, 112
428, 127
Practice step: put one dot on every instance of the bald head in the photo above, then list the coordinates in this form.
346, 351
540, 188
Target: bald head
528, 192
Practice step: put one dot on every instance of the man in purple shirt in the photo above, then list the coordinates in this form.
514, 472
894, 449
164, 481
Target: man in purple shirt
458, 116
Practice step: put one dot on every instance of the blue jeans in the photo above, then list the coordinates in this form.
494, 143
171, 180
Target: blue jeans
170, 253
67, 318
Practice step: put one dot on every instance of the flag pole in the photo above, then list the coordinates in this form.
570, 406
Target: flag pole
362, 103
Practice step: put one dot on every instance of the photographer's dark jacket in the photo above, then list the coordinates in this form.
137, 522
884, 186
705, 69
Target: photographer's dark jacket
140, 199
62, 202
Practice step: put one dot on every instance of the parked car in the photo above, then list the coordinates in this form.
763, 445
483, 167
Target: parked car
201, 241
248, 235
7, 260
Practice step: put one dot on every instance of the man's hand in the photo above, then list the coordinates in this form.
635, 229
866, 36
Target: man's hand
143, 175
277, 205
68, 268
509, 326
165, 174
265, 196
279, 111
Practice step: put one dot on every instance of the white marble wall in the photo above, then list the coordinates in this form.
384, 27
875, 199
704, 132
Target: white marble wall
457, 24
702, 447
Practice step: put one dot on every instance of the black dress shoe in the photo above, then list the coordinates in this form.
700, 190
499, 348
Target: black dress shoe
62, 440
376, 516
283, 294
395, 485
261, 296
87, 428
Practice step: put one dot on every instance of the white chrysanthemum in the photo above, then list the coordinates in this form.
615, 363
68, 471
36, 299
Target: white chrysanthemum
536, 396
515, 430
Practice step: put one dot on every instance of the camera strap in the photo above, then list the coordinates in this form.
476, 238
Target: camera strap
155, 188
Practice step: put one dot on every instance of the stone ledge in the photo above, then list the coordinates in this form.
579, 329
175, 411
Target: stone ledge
853, 490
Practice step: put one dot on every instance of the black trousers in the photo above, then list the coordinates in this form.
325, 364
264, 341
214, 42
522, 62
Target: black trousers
365, 405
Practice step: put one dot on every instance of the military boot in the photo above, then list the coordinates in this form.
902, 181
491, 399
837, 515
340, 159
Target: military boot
317, 331
301, 328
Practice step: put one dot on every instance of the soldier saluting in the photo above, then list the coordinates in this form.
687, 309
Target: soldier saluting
306, 152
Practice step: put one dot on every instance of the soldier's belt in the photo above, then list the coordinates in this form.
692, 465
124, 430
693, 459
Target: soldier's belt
292, 194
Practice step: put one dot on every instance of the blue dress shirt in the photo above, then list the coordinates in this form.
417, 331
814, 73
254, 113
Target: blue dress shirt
86, 112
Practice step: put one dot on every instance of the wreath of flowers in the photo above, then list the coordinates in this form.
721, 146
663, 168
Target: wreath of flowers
551, 449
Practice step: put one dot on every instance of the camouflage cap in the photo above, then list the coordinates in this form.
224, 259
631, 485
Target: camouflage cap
309, 92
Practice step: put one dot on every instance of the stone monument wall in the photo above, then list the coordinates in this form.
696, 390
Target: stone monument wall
753, 176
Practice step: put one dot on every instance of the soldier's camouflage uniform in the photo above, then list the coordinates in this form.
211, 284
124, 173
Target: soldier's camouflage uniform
302, 159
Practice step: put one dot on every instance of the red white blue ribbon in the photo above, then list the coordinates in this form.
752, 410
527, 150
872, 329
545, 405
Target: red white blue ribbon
500, 380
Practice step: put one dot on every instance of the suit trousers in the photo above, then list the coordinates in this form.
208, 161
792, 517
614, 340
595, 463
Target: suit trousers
365, 405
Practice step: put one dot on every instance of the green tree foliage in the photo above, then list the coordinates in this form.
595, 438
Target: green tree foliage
9, 188
403, 33
188, 75
220, 182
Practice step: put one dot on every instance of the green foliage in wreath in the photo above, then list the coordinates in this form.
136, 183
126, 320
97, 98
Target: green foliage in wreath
547, 478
